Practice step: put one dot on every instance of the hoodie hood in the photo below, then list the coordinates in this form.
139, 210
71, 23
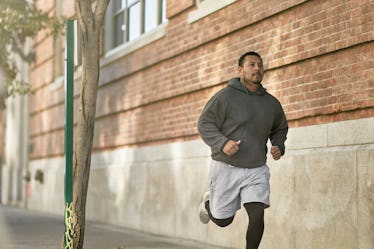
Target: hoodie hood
236, 84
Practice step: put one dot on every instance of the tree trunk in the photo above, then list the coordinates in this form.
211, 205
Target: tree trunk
91, 23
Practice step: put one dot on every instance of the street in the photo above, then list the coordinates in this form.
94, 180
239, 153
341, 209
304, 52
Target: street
26, 229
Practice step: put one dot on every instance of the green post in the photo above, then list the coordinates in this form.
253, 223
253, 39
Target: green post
69, 125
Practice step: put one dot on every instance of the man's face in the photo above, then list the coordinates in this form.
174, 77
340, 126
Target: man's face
252, 70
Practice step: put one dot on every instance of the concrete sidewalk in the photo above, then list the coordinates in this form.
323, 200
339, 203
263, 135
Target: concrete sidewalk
25, 229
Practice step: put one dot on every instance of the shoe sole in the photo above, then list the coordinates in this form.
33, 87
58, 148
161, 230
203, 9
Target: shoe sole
203, 214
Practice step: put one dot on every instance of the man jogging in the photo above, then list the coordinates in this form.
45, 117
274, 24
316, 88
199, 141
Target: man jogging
236, 123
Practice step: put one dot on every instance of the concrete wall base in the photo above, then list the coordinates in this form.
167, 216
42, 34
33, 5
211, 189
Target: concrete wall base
321, 191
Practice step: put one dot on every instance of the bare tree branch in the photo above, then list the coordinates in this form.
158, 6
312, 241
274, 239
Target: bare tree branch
84, 11
100, 10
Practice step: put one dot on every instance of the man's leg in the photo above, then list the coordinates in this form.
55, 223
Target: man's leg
255, 211
223, 197
218, 222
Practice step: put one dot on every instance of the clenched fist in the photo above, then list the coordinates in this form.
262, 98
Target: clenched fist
275, 152
231, 147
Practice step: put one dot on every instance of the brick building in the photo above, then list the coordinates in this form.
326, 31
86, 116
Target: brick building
161, 62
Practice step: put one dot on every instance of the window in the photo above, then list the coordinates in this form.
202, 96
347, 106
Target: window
119, 8
127, 20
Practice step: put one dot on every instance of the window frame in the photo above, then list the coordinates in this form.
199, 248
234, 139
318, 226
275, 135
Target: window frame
114, 15
110, 37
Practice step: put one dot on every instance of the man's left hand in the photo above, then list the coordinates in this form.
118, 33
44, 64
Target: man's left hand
275, 152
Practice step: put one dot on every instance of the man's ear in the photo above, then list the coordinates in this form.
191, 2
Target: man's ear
240, 71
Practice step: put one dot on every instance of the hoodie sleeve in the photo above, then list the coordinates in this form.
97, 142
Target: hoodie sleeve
278, 134
210, 122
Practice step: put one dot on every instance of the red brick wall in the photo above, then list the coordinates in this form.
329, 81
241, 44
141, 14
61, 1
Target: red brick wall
332, 87
318, 57
174, 7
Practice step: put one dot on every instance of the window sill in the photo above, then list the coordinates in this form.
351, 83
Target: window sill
208, 7
127, 48
58, 83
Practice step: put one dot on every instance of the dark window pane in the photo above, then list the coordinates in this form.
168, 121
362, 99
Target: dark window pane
119, 29
119, 4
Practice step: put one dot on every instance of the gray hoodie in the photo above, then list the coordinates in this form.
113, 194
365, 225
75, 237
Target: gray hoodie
235, 113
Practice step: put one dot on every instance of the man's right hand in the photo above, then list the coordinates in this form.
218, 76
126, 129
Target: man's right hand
231, 147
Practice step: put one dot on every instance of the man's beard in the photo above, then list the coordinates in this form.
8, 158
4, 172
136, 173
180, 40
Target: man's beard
254, 81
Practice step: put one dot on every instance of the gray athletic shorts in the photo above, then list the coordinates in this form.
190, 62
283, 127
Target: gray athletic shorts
230, 186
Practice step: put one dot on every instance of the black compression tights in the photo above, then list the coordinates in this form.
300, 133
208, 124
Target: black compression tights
255, 211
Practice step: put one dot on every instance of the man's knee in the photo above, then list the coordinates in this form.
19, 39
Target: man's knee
223, 222
255, 211
218, 222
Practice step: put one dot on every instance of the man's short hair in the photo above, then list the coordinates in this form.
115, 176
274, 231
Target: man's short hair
241, 59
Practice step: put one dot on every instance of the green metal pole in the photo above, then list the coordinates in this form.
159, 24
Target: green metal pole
69, 125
